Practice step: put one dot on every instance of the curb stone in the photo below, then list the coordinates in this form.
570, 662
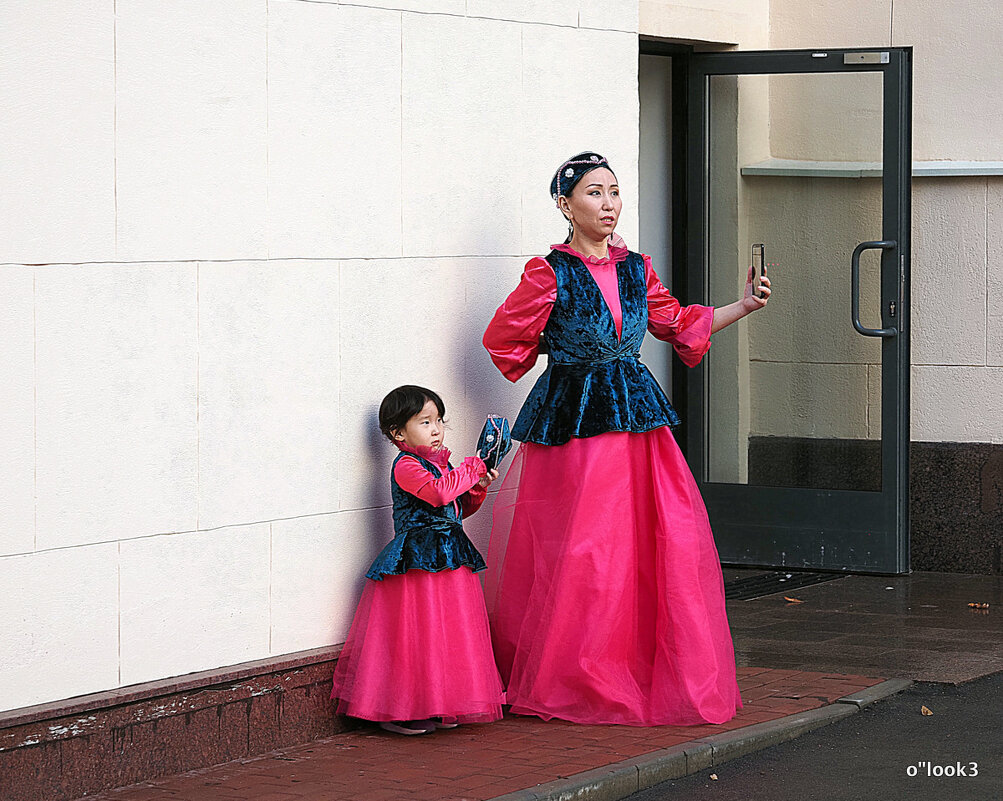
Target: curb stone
868, 696
622, 779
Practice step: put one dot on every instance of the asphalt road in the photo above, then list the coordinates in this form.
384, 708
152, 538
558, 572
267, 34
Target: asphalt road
890, 750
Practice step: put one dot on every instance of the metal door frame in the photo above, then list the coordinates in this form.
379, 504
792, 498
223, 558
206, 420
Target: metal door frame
869, 531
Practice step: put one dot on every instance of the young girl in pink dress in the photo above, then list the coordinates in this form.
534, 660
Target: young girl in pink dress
418, 654
605, 588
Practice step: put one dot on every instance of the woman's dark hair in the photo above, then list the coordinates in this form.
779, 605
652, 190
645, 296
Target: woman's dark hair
403, 403
573, 170
570, 173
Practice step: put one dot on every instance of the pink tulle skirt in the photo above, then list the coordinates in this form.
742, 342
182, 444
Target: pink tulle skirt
420, 647
604, 586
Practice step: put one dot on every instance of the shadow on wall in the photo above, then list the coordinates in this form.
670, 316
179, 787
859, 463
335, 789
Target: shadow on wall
379, 449
486, 390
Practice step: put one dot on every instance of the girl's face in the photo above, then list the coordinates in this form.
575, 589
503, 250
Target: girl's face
594, 205
425, 429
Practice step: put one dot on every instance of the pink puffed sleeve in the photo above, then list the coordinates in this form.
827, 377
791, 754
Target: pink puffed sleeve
686, 328
513, 335
414, 478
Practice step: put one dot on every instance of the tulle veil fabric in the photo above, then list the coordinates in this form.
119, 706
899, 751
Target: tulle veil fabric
604, 586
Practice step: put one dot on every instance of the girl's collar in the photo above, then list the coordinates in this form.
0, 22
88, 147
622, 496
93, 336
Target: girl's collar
438, 457
614, 254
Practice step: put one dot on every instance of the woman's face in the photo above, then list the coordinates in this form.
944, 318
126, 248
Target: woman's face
594, 204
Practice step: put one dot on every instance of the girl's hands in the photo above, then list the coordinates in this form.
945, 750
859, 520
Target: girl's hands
486, 480
750, 301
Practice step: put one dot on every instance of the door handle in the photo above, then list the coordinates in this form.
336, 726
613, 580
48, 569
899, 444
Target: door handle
885, 244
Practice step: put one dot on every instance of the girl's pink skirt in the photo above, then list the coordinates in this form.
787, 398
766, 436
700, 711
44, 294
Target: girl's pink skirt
419, 647
605, 589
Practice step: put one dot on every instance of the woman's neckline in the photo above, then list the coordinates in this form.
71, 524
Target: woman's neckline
614, 253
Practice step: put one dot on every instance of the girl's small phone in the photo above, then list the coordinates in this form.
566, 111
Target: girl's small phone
758, 268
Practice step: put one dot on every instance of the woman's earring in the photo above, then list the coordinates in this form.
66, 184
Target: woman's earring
571, 229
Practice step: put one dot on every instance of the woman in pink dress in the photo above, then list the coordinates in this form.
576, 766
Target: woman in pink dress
604, 584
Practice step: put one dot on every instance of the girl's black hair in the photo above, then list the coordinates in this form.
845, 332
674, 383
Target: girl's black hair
403, 403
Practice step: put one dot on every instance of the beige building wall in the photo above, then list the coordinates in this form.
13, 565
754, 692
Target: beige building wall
720, 23
801, 371
226, 230
957, 308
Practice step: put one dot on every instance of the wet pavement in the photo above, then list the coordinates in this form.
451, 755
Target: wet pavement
797, 659
918, 627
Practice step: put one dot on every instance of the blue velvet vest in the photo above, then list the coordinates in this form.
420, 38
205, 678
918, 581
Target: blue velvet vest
426, 537
594, 383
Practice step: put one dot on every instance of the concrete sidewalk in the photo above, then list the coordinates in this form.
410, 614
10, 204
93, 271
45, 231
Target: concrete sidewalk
523, 758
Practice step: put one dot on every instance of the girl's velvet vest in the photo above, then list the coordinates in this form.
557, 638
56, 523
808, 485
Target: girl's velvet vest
594, 382
426, 537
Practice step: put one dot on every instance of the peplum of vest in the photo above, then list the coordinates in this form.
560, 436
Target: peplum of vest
426, 537
594, 382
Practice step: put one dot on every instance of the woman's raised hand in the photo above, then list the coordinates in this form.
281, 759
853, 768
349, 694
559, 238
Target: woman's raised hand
751, 301
726, 315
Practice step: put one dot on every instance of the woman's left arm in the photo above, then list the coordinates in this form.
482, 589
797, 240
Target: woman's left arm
726, 315
686, 328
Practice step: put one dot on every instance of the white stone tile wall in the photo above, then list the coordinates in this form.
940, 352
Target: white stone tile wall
614, 15
601, 69
555, 12
269, 435
227, 230
57, 131
405, 326
17, 410
334, 131
60, 632
115, 401
193, 601
455, 7
318, 569
191, 129
461, 140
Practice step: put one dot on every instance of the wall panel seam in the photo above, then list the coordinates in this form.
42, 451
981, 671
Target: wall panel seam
272, 260
465, 15
34, 411
114, 119
268, 143
223, 527
198, 395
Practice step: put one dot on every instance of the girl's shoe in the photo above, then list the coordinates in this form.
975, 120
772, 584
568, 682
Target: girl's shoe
445, 723
408, 726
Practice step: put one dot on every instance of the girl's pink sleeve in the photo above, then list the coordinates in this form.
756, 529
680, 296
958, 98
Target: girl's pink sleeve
513, 335
686, 328
414, 478
472, 499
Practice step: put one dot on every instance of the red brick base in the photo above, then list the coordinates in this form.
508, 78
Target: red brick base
64, 750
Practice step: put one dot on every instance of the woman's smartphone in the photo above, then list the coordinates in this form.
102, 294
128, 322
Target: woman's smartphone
758, 267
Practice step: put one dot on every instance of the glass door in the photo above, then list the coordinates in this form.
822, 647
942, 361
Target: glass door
797, 419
